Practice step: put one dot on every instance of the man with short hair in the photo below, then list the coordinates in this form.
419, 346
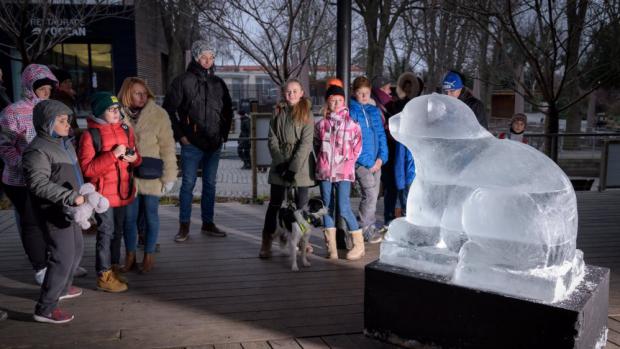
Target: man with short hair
453, 86
200, 110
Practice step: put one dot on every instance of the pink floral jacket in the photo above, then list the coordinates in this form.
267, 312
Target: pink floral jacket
337, 144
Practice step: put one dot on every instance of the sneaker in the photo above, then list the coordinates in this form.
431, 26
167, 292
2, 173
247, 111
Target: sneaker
73, 292
109, 283
57, 316
39, 276
183, 233
80, 272
211, 229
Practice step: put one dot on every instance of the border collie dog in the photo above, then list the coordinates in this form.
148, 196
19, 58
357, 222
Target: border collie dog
294, 228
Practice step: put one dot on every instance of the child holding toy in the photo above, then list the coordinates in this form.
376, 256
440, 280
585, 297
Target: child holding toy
107, 156
53, 178
337, 144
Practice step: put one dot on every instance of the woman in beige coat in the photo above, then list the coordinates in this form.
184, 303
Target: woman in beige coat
291, 134
158, 171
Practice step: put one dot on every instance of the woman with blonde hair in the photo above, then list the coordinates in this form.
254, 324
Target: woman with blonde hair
158, 171
291, 134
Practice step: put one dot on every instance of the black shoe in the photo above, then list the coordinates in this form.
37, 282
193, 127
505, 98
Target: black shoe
211, 229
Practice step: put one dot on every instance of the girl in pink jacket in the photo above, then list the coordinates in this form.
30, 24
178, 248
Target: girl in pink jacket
337, 144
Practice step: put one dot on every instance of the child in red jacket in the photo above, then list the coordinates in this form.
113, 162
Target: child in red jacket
107, 156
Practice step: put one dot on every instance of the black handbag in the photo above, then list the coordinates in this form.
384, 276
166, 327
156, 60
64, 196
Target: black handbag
150, 168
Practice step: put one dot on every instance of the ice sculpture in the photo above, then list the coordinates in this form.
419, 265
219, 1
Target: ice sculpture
482, 212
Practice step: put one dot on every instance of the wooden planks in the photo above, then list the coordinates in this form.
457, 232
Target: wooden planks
214, 292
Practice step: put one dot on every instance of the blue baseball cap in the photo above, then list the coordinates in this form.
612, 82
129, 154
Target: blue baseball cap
452, 81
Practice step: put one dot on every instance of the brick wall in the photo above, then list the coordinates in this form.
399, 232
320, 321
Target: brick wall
150, 45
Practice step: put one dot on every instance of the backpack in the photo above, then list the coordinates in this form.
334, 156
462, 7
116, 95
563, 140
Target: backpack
96, 136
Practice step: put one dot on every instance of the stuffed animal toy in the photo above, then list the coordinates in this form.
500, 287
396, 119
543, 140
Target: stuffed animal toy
93, 201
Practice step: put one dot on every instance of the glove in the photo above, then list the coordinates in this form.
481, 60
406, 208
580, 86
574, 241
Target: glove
281, 168
288, 176
167, 187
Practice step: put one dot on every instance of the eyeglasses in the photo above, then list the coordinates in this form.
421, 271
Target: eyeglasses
113, 109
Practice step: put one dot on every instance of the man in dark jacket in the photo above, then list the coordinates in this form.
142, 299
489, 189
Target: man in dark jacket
200, 111
243, 149
453, 86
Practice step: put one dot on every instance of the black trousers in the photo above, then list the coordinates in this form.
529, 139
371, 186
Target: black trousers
66, 247
275, 202
30, 225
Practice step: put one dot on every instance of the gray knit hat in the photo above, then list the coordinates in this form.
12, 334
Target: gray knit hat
200, 47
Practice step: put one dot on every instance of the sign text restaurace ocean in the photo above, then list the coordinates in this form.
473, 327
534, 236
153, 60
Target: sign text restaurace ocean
58, 26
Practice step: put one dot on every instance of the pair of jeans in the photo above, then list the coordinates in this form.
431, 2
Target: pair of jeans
343, 189
29, 225
390, 197
403, 194
149, 205
192, 158
275, 202
369, 184
109, 236
66, 247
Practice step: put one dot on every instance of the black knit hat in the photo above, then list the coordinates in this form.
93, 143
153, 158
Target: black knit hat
43, 82
334, 90
61, 75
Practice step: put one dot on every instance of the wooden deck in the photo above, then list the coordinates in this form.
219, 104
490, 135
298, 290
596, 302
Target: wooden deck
215, 293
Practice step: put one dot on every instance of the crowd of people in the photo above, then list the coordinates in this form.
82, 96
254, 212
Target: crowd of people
128, 153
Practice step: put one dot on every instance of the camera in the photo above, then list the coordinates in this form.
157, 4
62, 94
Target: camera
130, 152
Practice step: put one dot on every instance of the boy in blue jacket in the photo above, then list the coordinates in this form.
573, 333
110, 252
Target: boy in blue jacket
374, 154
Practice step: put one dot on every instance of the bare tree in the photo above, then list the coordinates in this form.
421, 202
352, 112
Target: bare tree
268, 31
380, 17
180, 21
33, 28
551, 39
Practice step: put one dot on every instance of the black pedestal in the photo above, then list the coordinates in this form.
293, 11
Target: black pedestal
407, 308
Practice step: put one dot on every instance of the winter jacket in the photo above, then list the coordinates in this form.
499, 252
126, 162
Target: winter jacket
292, 143
51, 171
337, 143
200, 108
513, 136
17, 130
475, 105
404, 167
154, 139
374, 144
102, 168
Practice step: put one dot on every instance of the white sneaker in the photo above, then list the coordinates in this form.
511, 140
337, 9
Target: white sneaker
39, 276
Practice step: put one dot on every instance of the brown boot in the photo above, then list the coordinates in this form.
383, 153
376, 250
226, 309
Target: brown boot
330, 243
147, 263
130, 262
183, 233
265, 246
358, 250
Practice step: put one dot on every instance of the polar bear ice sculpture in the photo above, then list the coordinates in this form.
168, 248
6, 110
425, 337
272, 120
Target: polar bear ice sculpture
486, 213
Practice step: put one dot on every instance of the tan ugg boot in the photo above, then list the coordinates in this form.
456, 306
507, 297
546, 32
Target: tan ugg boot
330, 243
265, 246
358, 250
109, 283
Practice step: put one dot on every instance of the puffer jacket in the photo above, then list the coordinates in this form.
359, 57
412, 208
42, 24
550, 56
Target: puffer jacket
103, 169
475, 105
51, 169
200, 108
374, 144
291, 142
17, 129
404, 167
154, 139
337, 144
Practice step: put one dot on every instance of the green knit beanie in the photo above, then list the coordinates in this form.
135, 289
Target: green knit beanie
101, 101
